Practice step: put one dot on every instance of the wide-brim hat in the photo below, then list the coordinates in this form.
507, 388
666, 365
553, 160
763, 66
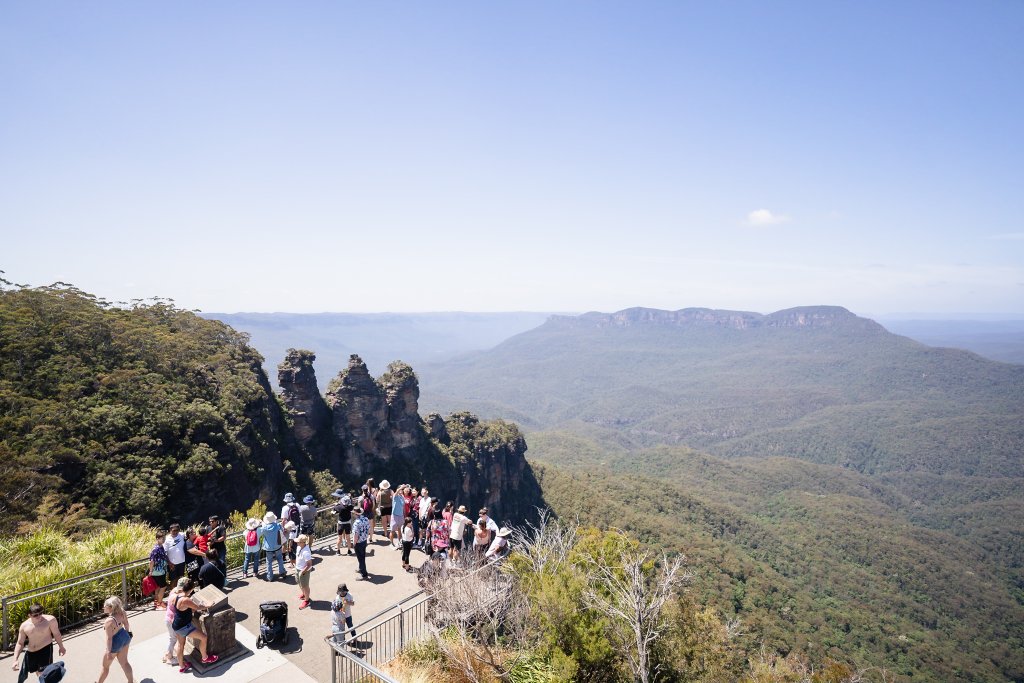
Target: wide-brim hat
462, 508
385, 484
269, 518
308, 499
252, 523
289, 525
338, 493
289, 498
504, 531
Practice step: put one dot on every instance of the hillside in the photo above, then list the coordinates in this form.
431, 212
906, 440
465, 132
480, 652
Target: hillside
819, 560
152, 412
816, 383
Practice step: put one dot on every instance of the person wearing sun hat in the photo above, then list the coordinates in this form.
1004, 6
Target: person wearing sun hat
307, 517
272, 536
499, 547
252, 547
385, 496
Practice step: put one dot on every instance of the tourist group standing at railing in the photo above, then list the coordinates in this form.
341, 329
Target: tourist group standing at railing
409, 518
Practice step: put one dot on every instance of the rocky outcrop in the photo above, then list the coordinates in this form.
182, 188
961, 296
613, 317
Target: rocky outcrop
402, 395
359, 416
301, 396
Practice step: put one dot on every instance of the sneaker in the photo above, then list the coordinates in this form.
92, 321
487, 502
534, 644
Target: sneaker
302, 596
304, 604
211, 659
351, 553
185, 668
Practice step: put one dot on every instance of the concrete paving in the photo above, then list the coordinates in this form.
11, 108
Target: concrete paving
302, 658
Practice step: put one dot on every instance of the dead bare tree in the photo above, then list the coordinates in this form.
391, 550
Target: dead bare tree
633, 598
478, 620
547, 543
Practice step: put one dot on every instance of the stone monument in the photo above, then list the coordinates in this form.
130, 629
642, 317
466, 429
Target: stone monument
219, 626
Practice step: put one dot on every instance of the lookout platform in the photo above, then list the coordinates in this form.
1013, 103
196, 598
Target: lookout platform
301, 658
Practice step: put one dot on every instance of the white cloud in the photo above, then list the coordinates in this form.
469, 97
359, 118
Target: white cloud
761, 217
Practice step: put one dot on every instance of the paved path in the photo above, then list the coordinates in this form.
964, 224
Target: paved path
304, 657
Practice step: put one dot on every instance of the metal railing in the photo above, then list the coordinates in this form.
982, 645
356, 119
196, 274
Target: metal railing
79, 600
378, 640
381, 638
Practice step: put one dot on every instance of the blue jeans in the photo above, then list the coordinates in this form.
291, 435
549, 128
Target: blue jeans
254, 558
271, 554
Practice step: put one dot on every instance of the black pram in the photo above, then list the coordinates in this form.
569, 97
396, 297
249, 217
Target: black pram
273, 622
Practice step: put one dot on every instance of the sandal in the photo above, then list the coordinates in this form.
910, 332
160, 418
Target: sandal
211, 659
185, 668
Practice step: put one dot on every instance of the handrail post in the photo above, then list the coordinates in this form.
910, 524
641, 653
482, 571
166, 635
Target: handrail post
401, 628
6, 626
124, 585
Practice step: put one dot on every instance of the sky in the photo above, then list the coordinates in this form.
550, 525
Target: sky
547, 156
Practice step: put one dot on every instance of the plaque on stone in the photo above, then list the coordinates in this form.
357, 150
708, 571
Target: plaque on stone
211, 597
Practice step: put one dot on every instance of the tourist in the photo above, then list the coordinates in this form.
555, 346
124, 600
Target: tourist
361, 534
307, 516
410, 505
217, 540
158, 566
290, 513
460, 522
440, 535
499, 547
424, 516
492, 526
481, 538
183, 626
196, 556
252, 548
291, 532
272, 536
211, 574
414, 512
303, 568
172, 639
397, 518
36, 636
341, 614
385, 497
119, 636
448, 512
367, 503
174, 545
202, 540
344, 511
408, 537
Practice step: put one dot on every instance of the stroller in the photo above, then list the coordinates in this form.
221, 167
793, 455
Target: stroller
273, 623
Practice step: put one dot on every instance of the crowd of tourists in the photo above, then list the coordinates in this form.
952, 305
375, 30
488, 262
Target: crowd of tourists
409, 518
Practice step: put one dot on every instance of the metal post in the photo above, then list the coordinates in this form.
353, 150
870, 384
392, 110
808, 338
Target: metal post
401, 628
334, 665
6, 626
124, 585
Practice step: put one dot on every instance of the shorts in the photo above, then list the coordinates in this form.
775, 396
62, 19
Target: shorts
40, 659
303, 581
455, 543
176, 572
344, 527
120, 640
160, 580
396, 524
185, 630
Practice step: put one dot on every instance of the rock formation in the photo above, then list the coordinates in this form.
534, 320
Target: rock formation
803, 316
301, 396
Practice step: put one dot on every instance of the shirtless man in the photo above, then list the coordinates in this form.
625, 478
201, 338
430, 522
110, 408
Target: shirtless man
36, 637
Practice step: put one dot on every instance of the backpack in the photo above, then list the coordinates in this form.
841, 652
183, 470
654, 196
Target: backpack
250, 537
367, 503
294, 514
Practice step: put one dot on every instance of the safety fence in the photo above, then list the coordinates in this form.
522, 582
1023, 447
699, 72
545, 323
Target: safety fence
381, 638
78, 600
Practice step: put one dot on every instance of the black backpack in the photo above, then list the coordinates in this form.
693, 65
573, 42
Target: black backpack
294, 514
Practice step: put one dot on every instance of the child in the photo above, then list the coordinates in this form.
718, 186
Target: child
341, 615
408, 536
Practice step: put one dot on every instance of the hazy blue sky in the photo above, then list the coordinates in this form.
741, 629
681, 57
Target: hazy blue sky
329, 156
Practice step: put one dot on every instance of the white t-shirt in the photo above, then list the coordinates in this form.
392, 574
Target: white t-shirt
174, 546
424, 506
304, 558
459, 522
407, 534
497, 547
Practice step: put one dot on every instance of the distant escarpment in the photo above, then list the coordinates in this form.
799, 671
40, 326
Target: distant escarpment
371, 427
803, 316
155, 413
